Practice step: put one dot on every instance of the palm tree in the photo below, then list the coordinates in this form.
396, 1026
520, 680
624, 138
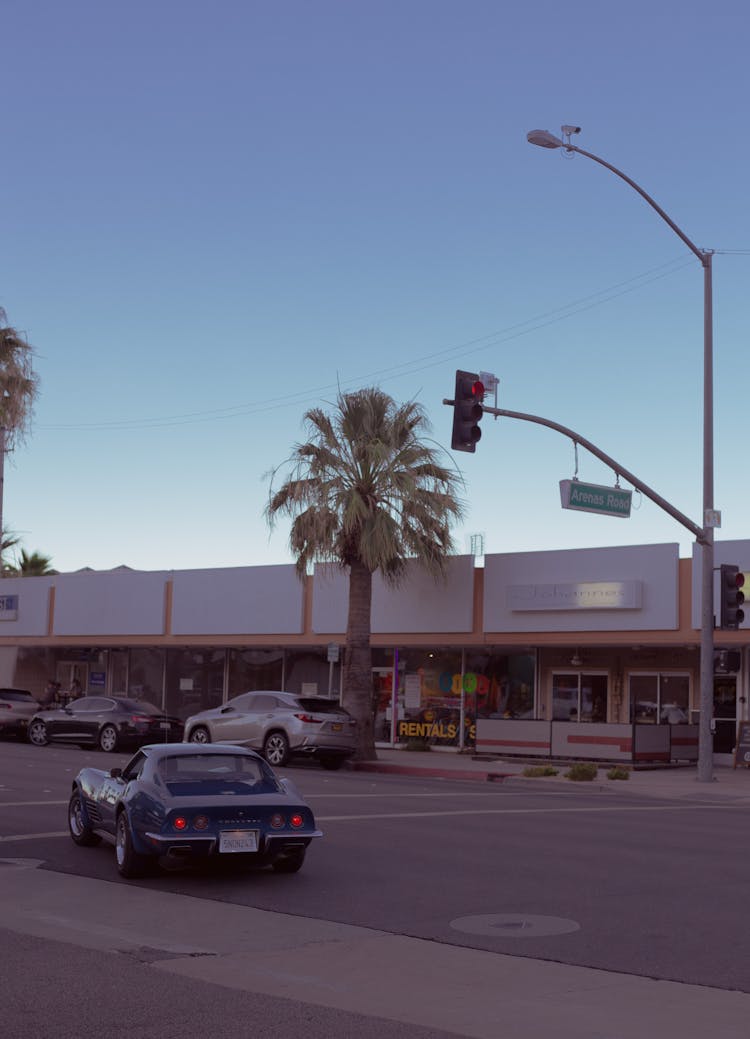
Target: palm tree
18, 390
33, 565
7, 540
367, 493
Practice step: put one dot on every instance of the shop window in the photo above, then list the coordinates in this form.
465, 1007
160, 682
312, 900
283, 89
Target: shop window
195, 680
659, 698
251, 669
579, 696
145, 675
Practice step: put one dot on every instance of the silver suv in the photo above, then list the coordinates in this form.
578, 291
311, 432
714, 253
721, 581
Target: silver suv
280, 726
17, 708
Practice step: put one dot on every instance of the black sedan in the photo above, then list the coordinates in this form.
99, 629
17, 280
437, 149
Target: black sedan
107, 722
173, 804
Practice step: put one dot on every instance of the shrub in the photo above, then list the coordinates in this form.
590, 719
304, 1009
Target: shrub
618, 772
540, 770
582, 771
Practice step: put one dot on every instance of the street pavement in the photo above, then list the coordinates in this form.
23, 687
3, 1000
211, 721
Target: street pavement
420, 984
728, 783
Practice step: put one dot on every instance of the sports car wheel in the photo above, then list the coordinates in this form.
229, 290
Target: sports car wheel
200, 735
332, 762
276, 749
80, 831
290, 863
108, 738
38, 734
129, 863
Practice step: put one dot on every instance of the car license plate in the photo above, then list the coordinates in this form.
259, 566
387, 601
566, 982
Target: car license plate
238, 840
336, 727
166, 725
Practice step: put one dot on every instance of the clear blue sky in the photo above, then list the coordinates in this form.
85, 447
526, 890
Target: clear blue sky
214, 214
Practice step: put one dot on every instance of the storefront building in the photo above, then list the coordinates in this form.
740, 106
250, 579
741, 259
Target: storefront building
576, 653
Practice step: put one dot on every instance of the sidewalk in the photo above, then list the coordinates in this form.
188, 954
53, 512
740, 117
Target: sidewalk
661, 781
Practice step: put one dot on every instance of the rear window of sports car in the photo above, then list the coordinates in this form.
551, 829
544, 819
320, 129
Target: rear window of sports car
194, 775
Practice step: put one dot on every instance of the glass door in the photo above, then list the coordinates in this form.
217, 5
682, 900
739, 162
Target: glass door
725, 714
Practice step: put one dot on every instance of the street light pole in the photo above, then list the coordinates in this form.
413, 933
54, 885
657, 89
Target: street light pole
545, 139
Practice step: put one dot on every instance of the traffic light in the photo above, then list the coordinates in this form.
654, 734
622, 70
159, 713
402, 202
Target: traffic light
731, 614
467, 411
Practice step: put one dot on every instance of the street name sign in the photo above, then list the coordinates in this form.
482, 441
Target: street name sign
592, 497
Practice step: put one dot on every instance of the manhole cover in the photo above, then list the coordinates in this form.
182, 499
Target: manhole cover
514, 925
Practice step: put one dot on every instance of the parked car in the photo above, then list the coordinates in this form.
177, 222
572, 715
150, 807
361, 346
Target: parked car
173, 804
107, 722
17, 708
280, 726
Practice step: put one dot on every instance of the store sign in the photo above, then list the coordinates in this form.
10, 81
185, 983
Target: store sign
592, 497
580, 595
8, 607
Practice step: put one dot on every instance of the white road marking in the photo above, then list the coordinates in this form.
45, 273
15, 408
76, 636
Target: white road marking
519, 811
33, 836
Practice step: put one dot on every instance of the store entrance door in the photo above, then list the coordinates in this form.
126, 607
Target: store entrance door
725, 718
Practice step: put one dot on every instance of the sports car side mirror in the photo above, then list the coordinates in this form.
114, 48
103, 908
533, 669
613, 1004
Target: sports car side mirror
115, 773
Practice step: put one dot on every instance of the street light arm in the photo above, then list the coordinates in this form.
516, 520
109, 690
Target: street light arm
702, 255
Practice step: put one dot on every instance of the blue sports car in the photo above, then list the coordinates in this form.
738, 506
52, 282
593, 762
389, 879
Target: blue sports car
177, 802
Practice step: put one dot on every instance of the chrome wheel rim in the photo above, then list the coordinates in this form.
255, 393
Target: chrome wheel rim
38, 734
75, 817
199, 736
275, 750
120, 841
108, 739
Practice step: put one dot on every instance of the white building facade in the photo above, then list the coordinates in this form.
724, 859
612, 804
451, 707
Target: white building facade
575, 653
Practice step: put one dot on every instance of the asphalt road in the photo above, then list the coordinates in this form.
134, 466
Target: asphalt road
638, 886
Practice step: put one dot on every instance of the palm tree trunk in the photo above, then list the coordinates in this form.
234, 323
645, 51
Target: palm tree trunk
358, 694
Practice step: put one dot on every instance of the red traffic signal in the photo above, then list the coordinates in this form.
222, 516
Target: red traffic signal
467, 411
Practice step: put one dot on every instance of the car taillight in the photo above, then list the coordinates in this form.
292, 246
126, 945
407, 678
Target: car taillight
180, 823
277, 821
297, 821
309, 718
5, 706
200, 822
140, 718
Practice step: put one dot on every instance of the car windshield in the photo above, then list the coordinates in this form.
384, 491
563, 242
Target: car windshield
206, 774
318, 705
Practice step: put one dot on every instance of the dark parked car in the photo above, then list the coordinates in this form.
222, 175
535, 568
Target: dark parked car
17, 708
107, 722
180, 803
279, 726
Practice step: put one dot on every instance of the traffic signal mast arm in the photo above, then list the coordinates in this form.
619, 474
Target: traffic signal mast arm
697, 531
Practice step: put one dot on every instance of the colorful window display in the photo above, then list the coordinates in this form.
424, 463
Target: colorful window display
440, 695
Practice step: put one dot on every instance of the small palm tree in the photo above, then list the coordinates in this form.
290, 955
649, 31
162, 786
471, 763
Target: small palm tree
7, 541
368, 493
33, 564
18, 390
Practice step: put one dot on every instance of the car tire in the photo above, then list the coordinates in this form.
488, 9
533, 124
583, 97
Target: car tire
129, 863
332, 762
276, 749
80, 831
199, 734
38, 734
290, 863
108, 739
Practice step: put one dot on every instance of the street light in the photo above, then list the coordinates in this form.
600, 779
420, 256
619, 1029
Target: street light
545, 139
